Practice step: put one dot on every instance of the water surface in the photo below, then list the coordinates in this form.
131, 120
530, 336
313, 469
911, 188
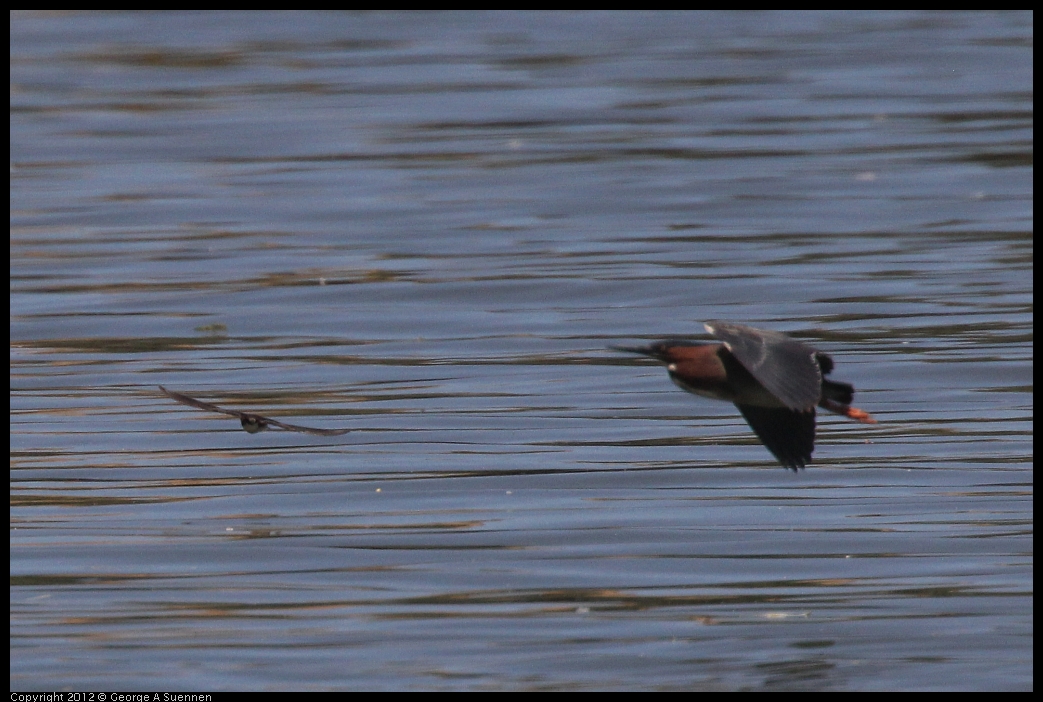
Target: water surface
428, 228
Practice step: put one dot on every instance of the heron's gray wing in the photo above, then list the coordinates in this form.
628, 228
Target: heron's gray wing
788, 434
786, 367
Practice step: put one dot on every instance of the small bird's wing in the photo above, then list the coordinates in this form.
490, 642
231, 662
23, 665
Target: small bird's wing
193, 402
305, 430
259, 421
785, 366
788, 434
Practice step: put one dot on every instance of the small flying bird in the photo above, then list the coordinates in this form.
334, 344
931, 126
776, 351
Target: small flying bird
252, 423
775, 381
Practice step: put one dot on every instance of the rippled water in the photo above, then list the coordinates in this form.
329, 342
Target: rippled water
428, 228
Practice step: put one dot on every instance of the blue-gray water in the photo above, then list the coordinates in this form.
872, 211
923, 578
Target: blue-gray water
428, 227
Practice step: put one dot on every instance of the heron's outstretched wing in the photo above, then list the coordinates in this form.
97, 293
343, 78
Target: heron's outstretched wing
788, 434
787, 368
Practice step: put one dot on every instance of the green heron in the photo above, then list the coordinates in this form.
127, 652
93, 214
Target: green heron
775, 381
252, 423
